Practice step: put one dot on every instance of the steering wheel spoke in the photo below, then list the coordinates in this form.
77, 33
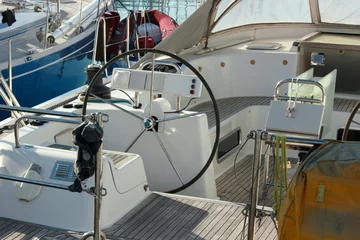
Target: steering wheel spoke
135, 140
357, 123
167, 155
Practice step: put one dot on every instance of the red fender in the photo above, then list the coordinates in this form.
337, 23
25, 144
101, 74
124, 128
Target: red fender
145, 42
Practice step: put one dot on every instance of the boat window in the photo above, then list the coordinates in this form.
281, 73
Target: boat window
345, 12
228, 144
261, 11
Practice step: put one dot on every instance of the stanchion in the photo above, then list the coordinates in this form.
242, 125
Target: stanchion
97, 233
255, 182
259, 136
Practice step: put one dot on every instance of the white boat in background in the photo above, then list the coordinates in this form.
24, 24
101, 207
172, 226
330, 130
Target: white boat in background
170, 154
43, 67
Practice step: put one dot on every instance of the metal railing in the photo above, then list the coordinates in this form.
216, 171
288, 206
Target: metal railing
161, 62
8, 97
263, 136
97, 192
96, 42
300, 81
16, 125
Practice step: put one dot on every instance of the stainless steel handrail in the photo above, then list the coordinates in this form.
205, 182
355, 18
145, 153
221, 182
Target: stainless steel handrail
162, 62
128, 38
40, 111
9, 99
301, 81
10, 64
257, 135
34, 181
8, 102
9, 91
16, 124
96, 41
47, 24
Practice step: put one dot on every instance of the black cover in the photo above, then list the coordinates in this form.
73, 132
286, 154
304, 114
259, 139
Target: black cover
87, 137
8, 17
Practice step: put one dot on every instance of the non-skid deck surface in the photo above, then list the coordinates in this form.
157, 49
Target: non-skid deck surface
235, 188
230, 106
117, 157
161, 216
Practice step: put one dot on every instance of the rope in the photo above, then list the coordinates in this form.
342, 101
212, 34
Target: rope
284, 156
280, 172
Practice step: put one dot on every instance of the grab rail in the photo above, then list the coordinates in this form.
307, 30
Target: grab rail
40, 111
10, 98
34, 181
162, 62
16, 124
96, 41
303, 81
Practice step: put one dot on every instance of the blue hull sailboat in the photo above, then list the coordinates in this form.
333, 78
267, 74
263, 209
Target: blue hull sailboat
46, 64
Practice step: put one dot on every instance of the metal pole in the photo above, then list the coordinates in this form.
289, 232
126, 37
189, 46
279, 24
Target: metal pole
137, 99
104, 40
96, 39
98, 8
152, 85
8, 101
40, 111
58, 11
10, 65
98, 184
255, 183
10, 69
47, 25
8, 90
137, 36
266, 169
128, 38
33, 181
178, 98
81, 6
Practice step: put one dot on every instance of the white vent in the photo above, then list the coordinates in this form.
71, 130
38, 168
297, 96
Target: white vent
63, 171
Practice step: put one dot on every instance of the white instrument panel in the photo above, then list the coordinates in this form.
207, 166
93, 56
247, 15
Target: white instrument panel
168, 83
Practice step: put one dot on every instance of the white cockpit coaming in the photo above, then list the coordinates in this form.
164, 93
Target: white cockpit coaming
63, 209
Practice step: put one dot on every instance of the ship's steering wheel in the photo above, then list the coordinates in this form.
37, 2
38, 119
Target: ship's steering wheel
150, 125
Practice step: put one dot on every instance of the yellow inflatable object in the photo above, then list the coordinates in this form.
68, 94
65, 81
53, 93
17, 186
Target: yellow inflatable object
323, 198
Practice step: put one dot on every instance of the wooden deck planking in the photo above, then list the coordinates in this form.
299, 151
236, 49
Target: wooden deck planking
160, 216
234, 189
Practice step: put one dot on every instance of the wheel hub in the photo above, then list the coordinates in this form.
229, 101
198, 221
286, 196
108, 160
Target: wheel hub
148, 123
